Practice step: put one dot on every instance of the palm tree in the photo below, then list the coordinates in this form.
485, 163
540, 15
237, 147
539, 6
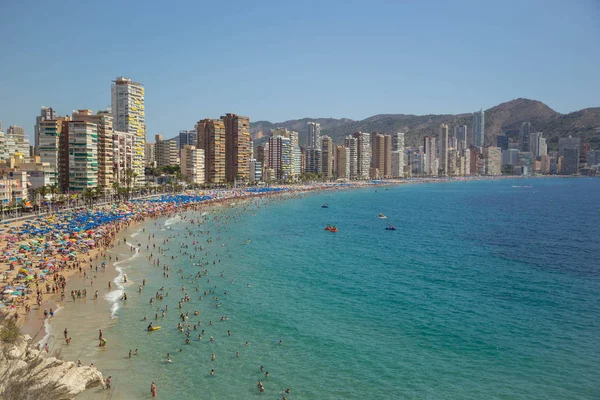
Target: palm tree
88, 195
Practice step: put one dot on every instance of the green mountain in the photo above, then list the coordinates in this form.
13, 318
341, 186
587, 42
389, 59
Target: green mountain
505, 118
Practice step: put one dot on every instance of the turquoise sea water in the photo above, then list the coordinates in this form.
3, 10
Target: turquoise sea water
487, 289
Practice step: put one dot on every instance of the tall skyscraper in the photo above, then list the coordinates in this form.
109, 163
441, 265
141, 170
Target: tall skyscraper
211, 139
351, 144
443, 143
342, 162
314, 134
237, 147
45, 114
378, 155
478, 128
327, 156
313, 160
536, 142
129, 115
524, 136
569, 149
429, 153
295, 154
460, 133
188, 137
363, 154
103, 122
122, 157
493, 160
279, 156
83, 155
49, 139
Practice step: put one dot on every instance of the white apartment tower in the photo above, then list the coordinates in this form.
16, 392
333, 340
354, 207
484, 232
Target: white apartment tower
351, 144
363, 155
129, 116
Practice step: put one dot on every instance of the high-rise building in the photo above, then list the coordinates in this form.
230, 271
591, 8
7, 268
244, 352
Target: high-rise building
17, 134
502, 142
473, 160
103, 122
363, 154
460, 133
398, 146
192, 164
377, 156
493, 160
510, 157
313, 160
166, 151
443, 143
534, 143
150, 155
314, 134
122, 158
398, 141
237, 147
478, 128
49, 139
293, 153
279, 157
466, 159
429, 154
129, 115
569, 149
45, 114
187, 137
83, 155
342, 162
524, 136
351, 144
453, 166
255, 171
397, 164
327, 156
211, 139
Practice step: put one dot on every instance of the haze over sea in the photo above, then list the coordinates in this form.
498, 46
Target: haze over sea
488, 289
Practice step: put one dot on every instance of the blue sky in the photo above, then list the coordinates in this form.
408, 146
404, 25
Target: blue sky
279, 60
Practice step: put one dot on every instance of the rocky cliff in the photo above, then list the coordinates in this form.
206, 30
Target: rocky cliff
26, 373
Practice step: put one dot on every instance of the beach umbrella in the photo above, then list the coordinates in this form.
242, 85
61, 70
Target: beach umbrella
29, 277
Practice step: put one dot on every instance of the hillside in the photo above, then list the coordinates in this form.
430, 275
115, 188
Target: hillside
503, 118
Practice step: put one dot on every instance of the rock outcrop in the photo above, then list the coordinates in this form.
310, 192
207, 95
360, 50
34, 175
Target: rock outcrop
26, 373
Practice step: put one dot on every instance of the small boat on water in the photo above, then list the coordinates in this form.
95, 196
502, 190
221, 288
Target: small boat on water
331, 228
326, 205
390, 227
382, 216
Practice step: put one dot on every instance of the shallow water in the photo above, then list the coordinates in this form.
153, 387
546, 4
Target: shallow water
485, 291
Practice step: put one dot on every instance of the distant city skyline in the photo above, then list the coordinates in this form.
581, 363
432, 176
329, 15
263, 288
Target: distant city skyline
356, 75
